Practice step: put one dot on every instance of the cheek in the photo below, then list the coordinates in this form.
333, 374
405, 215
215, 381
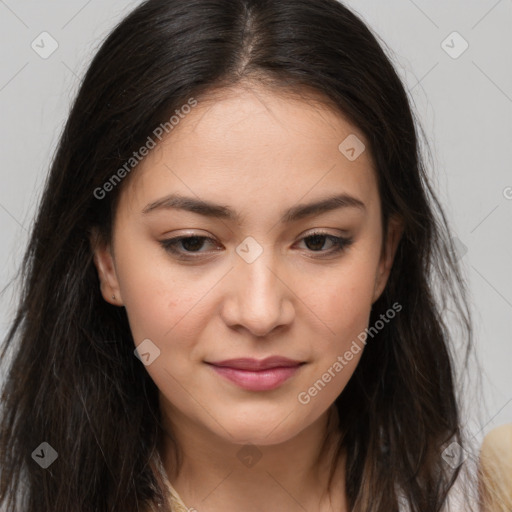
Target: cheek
162, 312
157, 298
344, 308
343, 304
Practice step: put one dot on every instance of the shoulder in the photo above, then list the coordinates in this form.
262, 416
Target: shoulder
496, 468
498, 442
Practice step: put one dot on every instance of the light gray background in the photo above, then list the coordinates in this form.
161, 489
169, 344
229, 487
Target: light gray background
464, 104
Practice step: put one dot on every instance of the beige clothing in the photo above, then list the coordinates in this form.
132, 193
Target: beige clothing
177, 504
456, 499
173, 497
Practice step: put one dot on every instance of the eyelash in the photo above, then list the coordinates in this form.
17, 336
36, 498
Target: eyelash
340, 244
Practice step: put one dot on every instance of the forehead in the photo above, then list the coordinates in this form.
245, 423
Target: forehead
245, 145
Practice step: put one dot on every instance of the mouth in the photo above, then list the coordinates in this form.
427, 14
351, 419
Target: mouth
257, 375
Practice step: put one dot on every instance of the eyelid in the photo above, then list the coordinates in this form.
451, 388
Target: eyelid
323, 231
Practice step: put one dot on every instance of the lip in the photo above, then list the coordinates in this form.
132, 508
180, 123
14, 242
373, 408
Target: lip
257, 375
247, 363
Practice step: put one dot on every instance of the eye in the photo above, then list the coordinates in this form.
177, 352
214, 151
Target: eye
316, 241
190, 244
187, 247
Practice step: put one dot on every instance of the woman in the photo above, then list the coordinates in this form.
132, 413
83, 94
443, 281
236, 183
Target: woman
184, 329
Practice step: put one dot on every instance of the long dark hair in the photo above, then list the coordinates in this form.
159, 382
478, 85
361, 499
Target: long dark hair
74, 382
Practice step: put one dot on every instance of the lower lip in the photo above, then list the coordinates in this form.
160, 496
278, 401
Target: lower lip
261, 380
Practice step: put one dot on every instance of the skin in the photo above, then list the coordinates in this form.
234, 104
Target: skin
259, 152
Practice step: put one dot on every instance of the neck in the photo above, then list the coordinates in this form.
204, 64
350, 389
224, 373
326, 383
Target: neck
215, 474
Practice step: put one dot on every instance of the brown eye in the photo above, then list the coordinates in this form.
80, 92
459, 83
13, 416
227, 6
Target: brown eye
182, 245
316, 241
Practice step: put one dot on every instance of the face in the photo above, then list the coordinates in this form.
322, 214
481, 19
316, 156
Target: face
247, 248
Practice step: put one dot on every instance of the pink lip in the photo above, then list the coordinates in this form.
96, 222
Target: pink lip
257, 375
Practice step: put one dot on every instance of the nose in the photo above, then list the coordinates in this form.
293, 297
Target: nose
259, 298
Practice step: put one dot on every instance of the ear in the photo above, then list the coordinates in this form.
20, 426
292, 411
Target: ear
390, 245
104, 262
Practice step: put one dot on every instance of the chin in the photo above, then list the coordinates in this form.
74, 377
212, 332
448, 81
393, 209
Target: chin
259, 437
261, 431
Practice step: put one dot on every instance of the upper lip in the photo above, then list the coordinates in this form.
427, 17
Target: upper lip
246, 363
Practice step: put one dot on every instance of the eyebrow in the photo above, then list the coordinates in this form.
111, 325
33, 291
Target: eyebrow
213, 210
